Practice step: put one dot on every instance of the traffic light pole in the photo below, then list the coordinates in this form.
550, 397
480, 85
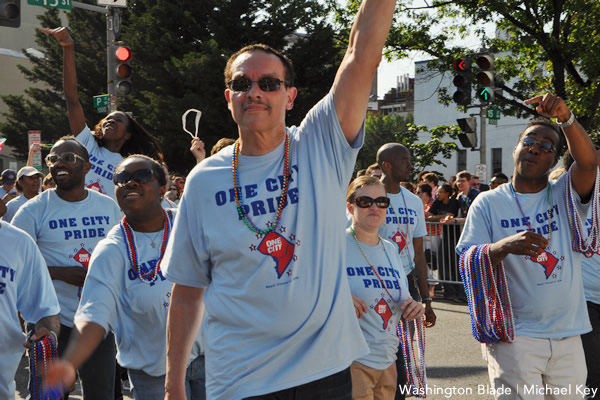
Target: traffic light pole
110, 43
482, 146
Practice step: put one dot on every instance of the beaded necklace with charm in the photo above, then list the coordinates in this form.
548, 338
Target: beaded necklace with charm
132, 252
373, 267
238, 188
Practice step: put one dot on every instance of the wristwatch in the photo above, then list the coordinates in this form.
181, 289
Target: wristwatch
568, 122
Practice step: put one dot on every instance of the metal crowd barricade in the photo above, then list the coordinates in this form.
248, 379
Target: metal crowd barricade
440, 252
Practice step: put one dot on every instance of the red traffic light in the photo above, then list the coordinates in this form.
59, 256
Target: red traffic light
459, 64
123, 53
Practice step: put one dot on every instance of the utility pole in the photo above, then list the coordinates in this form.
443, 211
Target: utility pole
482, 145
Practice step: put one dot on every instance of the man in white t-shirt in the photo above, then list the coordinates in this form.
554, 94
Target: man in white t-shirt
265, 250
29, 181
526, 226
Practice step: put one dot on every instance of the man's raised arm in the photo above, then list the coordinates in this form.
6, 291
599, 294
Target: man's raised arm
354, 77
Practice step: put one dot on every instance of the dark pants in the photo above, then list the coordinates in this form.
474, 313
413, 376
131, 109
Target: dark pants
334, 387
591, 348
98, 373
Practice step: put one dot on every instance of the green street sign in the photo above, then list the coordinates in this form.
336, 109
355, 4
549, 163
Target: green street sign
101, 103
493, 113
62, 4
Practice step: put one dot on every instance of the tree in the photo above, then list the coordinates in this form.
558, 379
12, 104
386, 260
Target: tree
381, 129
179, 49
543, 46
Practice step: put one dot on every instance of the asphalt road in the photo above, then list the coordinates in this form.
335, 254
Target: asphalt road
455, 368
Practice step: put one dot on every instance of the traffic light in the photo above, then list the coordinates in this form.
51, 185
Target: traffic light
468, 136
122, 75
462, 80
10, 13
486, 81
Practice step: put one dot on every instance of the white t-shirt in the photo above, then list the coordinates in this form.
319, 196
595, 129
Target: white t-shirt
66, 233
404, 221
278, 308
379, 323
12, 207
547, 293
25, 286
104, 162
136, 311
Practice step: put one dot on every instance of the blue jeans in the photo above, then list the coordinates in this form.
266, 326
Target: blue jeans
334, 387
147, 387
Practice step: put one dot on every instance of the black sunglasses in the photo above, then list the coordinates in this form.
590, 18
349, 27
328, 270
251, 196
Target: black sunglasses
366, 202
141, 176
543, 146
265, 84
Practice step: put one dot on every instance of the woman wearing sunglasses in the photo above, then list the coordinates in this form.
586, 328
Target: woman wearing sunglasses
116, 136
379, 290
125, 291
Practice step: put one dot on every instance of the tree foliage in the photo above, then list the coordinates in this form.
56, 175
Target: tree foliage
542, 46
179, 48
428, 146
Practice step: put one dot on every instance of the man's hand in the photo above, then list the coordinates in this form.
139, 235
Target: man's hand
61, 34
412, 310
359, 306
430, 317
197, 149
550, 106
524, 243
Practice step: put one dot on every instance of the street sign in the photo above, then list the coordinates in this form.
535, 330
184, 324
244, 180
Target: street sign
101, 103
493, 113
62, 4
35, 137
481, 171
112, 3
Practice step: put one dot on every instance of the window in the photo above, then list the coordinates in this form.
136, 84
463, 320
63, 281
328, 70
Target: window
496, 160
461, 160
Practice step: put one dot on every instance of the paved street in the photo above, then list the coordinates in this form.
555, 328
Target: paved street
454, 364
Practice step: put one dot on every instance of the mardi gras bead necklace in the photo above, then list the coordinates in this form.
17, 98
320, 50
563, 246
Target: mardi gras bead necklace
373, 268
238, 188
42, 353
416, 376
132, 252
548, 194
404, 235
488, 296
590, 245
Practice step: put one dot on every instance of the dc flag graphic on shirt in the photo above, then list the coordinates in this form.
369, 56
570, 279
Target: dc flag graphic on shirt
282, 251
95, 186
384, 312
400, 241
83, 257
548, 261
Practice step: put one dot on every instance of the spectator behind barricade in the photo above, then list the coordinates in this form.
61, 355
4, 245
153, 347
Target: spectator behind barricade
179, 181
475, 184
130, 299
66, 224
408, 186
48, 182
498, 179
221, 144
374, 170
445, 209
431, 242
452, 180
590, 273
26, 288
116, 136
465, 195
374, 376
28, 184
522, 249
7, 190
432, 180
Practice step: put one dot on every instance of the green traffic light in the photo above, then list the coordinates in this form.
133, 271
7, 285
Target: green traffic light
484, 94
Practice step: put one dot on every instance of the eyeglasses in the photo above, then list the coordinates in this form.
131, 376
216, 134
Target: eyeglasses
265, 84
67, 158
530, 142
366, 202
141, 176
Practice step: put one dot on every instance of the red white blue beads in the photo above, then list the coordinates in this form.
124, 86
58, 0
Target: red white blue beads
42, 353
